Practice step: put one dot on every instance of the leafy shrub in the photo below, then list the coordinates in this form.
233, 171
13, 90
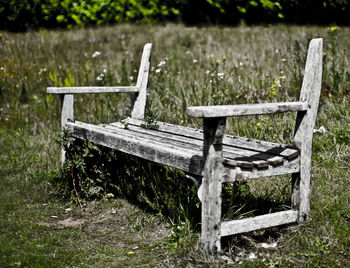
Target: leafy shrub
21, 15
95, 172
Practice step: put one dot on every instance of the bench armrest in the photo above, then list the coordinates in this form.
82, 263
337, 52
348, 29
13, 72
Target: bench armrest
90, 90
245, 109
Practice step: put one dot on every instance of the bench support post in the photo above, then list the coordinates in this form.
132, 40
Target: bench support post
214, 129
310, 92
66, 115
138, 110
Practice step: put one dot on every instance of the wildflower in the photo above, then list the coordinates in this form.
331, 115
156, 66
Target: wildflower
223, 58
283, 60
332, 28
217, 61
157, 70
96, 54
241, 63
220, 75
0, 35
104, 70
100, 77
324, 54
2, 68
207, 72
161, 63
195, 61
131, 78
42, 70
321, 130
35, 97
188, 52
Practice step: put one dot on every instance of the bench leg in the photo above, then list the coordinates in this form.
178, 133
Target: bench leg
66, 115
301, 191
213, 172
211, 203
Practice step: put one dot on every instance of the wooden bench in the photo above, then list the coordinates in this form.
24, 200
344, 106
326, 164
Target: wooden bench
211, 155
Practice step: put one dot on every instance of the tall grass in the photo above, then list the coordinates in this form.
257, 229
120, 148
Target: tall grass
189, 66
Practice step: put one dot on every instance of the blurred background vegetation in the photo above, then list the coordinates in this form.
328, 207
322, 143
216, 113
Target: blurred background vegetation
22, 15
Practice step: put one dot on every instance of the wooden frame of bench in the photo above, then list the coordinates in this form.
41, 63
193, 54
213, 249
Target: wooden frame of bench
209, 153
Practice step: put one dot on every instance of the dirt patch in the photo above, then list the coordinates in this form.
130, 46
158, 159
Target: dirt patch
69, 222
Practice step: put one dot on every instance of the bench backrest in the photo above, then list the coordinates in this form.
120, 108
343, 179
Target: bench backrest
138, 110
310, 92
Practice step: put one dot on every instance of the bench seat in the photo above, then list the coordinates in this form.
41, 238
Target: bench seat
182, 148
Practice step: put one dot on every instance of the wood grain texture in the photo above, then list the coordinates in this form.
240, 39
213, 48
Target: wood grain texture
211, 187
138, 110
67, 115
310, 92
91, 90
258, 146
259, 222
162, 153
245, 109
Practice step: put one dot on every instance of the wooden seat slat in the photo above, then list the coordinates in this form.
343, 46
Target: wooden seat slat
276, 149
181, 158
194, 144
244, 157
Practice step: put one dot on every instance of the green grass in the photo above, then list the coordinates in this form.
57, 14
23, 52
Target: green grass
145, 226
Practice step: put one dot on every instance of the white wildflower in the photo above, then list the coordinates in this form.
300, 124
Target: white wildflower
96, 54
188, 52
158, 70
42, 70
207, 72
278, 83
221, 75
321, 130
2, 69
104, 70
161, 63
284, 60
272, 245
131, 78
241, 63
100, 77
251, 256
195, 61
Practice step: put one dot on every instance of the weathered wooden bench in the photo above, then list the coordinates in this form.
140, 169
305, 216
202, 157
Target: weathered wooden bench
211, 155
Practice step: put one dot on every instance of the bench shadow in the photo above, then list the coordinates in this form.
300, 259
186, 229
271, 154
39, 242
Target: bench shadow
154, 188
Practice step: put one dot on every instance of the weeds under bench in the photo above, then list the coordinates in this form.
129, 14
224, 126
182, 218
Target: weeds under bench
209, 156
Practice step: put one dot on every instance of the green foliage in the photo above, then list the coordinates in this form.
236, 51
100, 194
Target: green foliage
95, 172
27, 14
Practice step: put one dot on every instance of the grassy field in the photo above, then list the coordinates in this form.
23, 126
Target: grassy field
41, 222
